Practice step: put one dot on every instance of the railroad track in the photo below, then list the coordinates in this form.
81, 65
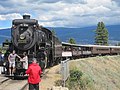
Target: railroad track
9, 84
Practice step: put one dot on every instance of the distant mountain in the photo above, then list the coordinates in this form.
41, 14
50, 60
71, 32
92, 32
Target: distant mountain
5, 34
81, 35
86, 35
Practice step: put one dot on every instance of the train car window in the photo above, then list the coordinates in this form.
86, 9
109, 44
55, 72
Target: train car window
66, 48
63, 48
116, 49
79, 49
75, 48
86, 49
102, 49
69, 48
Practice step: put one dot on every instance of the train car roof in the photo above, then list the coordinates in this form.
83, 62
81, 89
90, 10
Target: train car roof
69, 44
100, 46
79, 45
114, 46
94, 46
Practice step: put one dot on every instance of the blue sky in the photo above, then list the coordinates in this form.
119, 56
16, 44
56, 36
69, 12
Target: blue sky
61, 13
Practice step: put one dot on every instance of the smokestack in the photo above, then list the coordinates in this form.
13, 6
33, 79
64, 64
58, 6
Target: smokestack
26, 16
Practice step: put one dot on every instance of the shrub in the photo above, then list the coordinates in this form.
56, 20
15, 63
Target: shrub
77, 80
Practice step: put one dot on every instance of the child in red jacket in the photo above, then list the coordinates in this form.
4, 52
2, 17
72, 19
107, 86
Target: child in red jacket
34, 72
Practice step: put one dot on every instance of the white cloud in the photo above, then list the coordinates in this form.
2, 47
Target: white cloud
74, 13
77, 14
10, 16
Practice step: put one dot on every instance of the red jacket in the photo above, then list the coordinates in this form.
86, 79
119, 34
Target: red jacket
34, 71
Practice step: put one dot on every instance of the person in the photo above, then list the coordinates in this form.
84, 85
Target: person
0, 58
41, 57
25, 60
11, 59
34, 72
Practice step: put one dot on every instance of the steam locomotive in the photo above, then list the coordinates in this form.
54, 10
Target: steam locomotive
27, 36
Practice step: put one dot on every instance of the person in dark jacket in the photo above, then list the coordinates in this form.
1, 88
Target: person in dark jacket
41, 57
34, 72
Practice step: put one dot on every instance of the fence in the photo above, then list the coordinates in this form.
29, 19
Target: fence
65, 70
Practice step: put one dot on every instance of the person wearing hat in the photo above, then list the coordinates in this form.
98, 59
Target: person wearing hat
34, 71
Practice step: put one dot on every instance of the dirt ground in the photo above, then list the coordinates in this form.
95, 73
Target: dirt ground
52, 75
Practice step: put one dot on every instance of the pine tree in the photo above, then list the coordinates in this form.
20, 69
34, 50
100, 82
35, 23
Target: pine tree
101, 34
72, 41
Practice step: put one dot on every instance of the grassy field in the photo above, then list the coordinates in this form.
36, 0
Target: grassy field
103, 73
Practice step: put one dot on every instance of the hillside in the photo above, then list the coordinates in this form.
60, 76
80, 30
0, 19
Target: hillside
103, 72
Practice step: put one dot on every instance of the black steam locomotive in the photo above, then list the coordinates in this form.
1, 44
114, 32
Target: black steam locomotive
28, 36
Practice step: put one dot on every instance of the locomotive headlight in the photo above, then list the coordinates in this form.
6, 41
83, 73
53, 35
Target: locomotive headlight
22, 36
